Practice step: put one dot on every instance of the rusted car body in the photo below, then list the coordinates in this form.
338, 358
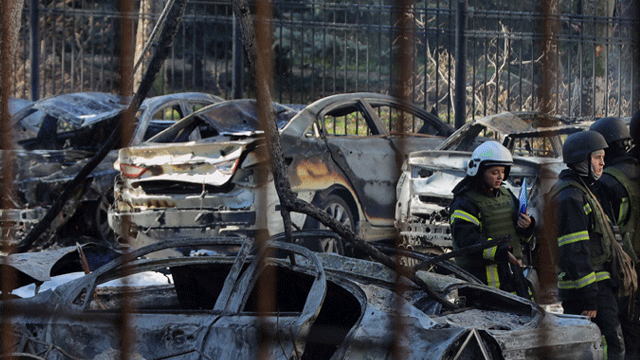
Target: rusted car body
57, 136
324, 306
200, 177
424, 189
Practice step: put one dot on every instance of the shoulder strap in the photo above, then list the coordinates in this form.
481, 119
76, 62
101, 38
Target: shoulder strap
631, 226
623, 179
558, 187
622, 264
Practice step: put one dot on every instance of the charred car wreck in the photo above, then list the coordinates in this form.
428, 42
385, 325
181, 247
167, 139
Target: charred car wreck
428, 177
201, 176
324, 306
56, 137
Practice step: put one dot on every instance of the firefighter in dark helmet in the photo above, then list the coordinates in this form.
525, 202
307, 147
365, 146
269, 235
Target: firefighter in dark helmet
585, 283
483, 209
619, 194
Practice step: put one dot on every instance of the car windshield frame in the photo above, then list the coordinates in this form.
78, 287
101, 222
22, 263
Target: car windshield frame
228, 117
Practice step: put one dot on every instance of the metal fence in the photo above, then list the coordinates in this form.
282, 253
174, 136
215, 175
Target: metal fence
322, 48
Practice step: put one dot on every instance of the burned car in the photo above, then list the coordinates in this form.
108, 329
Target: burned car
428, 177
200, 177
323, 306
57, 136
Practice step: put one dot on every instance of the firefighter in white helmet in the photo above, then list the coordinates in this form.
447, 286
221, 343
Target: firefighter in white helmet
482, 210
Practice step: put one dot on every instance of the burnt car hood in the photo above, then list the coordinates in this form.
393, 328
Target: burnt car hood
504, 124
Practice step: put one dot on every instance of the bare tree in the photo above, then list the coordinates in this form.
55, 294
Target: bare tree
146, 34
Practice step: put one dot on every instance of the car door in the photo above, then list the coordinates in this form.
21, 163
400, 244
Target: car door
361, 147
93, 324
293, 299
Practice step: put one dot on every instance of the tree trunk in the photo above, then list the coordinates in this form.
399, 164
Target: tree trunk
144, 32
11, 9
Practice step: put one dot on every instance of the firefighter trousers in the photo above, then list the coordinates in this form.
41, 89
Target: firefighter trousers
606, 319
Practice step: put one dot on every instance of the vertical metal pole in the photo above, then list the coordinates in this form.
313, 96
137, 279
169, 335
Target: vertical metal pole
635, 71
34, 13
7, 172
127, 45
461, 83
546, 260
404, 59
238, 61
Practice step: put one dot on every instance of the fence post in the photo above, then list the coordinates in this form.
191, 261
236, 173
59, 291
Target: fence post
34, 14
238, 61
461, 49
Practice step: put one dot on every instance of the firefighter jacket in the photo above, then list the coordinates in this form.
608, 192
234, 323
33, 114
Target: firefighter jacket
584, 244
477, 218
619, 194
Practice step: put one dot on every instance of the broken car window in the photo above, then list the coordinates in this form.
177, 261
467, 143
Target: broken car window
349, 121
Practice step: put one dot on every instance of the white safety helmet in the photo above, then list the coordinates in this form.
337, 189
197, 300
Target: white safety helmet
489, 153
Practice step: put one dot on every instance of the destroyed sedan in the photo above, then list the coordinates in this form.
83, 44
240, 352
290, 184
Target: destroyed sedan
209, 305
201, 177
56, 137
425, 187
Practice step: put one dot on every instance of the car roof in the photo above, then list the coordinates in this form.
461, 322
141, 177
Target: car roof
221, 116
85, 108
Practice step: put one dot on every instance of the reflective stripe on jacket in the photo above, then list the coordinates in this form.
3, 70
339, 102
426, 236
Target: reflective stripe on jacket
571, 240
477, 218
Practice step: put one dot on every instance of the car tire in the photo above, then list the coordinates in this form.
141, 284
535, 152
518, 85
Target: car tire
337, 208
98, 220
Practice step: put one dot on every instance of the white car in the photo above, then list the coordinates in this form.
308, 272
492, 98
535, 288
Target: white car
428, 177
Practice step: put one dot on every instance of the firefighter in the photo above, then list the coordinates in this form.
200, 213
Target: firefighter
585, 285
618, 189
483, 209
619, 194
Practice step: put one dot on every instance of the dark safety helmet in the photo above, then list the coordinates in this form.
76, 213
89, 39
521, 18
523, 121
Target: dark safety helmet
612, 128
578, 146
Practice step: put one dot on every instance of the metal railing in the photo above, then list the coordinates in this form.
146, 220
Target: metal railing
321, 48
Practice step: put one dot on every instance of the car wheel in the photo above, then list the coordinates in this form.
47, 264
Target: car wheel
337, 208
98, 213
